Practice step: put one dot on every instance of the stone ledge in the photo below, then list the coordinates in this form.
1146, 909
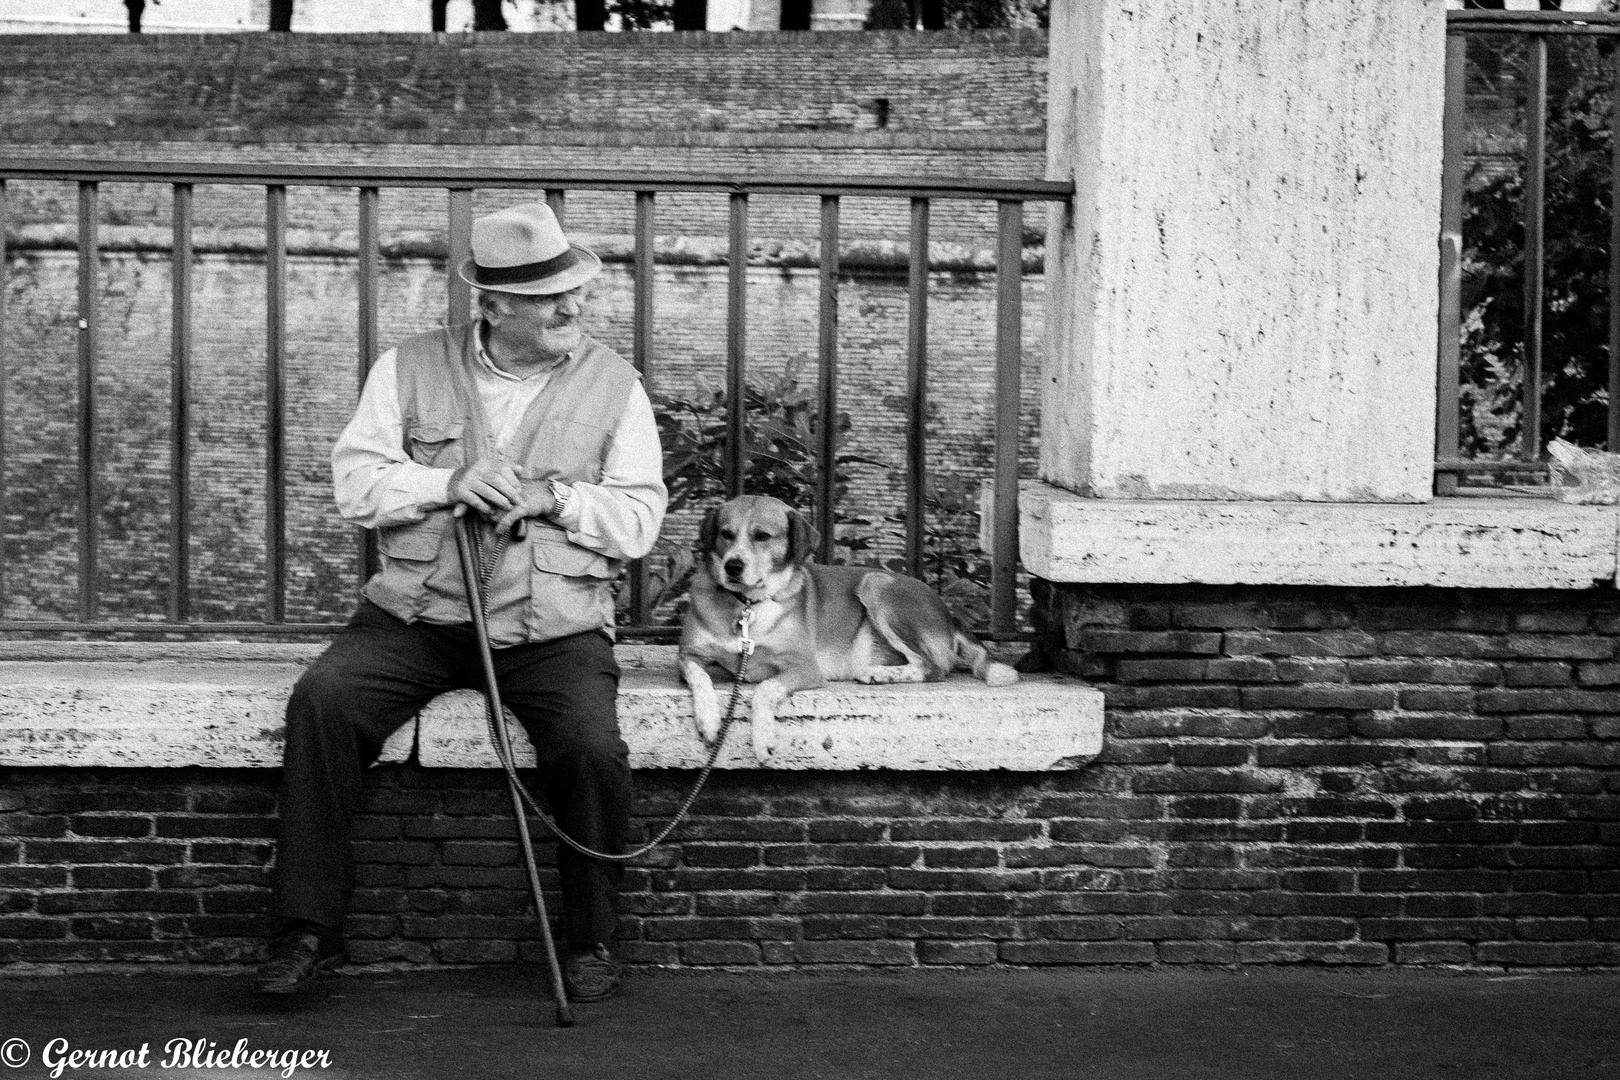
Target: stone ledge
1473, 543
135, 705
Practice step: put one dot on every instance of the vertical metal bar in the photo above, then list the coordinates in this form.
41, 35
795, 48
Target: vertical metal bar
458, 245
736, 349
1009, 354
1534, 243
1448, 352
367, 335
1614, 256
89, 330
557, 199
642, 341
275, 344
4, 257
827, 408
917, 392
180, 352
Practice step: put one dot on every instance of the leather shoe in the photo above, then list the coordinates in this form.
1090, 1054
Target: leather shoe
296, 957
591, 974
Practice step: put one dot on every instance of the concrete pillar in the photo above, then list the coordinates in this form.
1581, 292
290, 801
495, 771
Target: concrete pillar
1243, 303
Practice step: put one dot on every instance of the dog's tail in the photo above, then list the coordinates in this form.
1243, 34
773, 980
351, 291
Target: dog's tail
976, 657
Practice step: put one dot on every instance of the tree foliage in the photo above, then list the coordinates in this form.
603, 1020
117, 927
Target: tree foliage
1575, 320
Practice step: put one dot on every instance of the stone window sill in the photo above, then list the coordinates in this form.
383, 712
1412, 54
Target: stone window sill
1498, 543
80, 704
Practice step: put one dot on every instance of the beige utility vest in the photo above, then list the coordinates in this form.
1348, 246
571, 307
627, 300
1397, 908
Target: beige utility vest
543, 587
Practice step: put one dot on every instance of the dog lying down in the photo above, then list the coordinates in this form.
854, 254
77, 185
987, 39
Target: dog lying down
811, 624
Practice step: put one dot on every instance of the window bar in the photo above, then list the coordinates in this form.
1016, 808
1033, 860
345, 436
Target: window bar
275, 502
367, 336
642, 340
827, 414
3, 262
917, 392
1614, 263
736, 464
1446, 419
1534, 246
458, 247
557, 199
1009, 348
89, 326
181, 343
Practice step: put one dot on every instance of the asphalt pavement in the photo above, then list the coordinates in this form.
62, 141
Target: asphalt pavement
1259, 1023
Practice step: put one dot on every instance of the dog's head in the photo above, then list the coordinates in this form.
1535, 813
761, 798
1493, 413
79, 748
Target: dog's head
753, 544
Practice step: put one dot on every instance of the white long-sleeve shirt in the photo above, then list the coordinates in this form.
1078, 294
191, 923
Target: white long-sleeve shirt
377, 484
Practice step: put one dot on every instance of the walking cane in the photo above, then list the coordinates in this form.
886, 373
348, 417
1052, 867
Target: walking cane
492, 699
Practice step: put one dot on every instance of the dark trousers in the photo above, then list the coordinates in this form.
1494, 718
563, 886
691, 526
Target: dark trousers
378, 674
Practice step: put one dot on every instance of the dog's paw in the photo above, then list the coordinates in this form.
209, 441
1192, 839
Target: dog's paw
999, 675
706, 709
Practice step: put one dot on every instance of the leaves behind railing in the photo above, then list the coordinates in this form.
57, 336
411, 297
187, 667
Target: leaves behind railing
1575, 328
781, 429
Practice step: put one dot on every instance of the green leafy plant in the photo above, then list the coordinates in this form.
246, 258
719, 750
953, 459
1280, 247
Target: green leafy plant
780, 431
1575, 322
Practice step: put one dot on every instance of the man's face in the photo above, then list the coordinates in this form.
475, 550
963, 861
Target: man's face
546, 324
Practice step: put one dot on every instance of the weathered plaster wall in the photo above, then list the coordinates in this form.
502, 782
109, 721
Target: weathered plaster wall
1251, 268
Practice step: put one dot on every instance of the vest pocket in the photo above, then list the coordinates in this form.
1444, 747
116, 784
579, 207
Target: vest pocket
414, 543
571, 590
438, 445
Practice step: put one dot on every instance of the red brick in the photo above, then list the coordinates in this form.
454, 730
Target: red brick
1315, 670
1078, 952
1196, 725
1197, 952
1317, 697
475, 952
1449, 672
1141, 671
875, 953
841, 854
963, 953
1204, 780
1344, 643
1443, 726
962, 857
1549, 953
1140, 641
1433, 952
1313, 952
1222, 616
1598, 674
1551, 622
720, 953
1170, 697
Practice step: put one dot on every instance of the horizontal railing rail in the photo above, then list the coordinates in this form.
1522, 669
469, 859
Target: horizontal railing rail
459, 184
1535, 28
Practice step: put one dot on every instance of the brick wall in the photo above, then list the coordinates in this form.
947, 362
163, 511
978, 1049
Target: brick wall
514, 88
1290, 775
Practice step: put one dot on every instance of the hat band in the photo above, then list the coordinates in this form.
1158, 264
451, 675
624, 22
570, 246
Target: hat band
512, 275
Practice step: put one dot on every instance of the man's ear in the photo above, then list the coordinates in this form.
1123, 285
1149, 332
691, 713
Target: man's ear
801, 537
709, 530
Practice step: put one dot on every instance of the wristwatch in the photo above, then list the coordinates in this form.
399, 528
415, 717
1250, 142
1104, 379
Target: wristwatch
562, 496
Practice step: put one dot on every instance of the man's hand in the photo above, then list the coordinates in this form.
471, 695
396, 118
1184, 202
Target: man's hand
488, 485
537, 500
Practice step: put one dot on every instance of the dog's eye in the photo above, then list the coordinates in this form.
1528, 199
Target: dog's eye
761, 537
728, 534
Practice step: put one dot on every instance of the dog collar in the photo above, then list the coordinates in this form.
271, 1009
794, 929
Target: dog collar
745, 619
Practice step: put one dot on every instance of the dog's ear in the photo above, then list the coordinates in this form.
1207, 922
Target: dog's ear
801, 537
709, 530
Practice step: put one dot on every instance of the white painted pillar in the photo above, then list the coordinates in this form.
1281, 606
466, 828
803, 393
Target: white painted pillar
1243, 304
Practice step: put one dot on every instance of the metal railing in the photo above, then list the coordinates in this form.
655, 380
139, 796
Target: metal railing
459, 186
1536, 28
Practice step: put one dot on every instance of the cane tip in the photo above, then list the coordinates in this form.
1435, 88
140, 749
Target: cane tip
565, 1016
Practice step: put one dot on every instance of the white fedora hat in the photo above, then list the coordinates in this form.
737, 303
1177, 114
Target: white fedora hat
522, 249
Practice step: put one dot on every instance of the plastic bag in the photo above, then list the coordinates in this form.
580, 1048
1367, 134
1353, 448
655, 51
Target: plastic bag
1585, 476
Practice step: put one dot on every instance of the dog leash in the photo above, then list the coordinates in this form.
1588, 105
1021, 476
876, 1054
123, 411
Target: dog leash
476, 571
